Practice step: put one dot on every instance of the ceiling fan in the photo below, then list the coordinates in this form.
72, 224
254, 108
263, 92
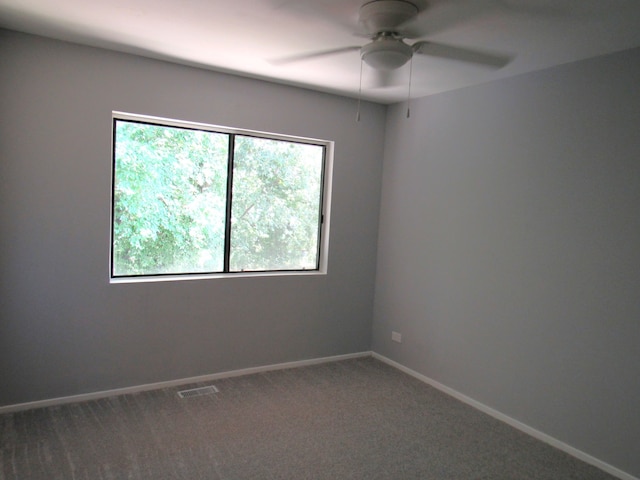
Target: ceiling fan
388, 23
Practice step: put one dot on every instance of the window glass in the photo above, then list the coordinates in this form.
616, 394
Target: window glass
276, 205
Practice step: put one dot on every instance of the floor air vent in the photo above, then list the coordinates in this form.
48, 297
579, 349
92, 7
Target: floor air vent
197, 392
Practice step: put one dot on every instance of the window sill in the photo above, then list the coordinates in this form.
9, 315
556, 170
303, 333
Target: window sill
213, 276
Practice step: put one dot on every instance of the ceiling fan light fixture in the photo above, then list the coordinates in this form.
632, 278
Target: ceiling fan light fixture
386, 54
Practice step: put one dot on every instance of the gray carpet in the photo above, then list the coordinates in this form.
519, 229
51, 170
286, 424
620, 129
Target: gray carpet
355, 419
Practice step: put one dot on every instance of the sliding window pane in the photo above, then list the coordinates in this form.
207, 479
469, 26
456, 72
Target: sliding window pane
276, 205
169, 197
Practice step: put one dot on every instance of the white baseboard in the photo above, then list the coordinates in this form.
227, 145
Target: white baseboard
585, 457
175, 383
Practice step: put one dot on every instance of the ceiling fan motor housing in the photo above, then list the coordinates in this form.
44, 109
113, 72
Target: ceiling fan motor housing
386, 15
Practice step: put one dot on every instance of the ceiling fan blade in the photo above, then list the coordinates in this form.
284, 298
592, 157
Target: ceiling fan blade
441, 15
338, 14
313, 55
462, 54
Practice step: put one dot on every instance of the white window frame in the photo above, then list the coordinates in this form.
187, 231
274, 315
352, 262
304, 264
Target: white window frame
323, 250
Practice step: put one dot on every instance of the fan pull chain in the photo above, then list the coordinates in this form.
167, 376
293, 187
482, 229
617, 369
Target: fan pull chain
409, 94
359, 91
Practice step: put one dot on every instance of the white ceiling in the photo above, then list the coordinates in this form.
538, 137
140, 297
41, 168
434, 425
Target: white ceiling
245, 36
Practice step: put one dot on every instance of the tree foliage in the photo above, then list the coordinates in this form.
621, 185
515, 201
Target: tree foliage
170, 201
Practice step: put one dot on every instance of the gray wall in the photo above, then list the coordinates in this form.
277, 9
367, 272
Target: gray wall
509, 249
64, 329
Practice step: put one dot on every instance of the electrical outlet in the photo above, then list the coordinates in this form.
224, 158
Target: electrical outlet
396, 337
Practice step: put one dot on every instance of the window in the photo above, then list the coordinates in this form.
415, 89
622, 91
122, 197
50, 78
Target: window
193, 199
